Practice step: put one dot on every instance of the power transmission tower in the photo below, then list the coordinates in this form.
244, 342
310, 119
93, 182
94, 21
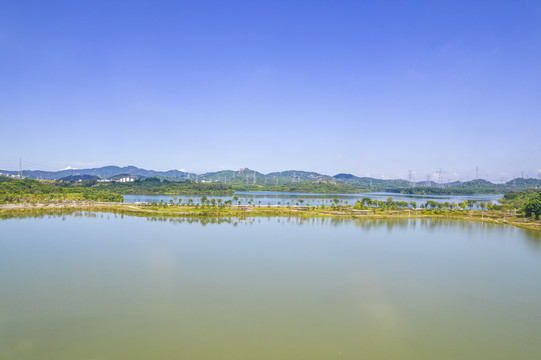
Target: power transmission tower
411, 180
20, 168
427, 184
440, 177
255, 181
477, 172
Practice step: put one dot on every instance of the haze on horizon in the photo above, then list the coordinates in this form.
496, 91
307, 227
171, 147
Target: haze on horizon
370, 88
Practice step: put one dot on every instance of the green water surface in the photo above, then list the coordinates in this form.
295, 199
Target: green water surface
101, 286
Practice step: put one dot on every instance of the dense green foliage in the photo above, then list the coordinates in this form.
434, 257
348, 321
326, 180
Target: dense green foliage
155, 186
519, 199
467, 188
528, 200
27, 190
322, 187
533, 207
455, 190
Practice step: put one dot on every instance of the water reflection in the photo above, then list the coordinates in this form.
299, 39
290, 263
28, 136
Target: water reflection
284, 199
82, 284
430, 225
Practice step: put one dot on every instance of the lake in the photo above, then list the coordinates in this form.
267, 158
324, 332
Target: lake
282, 198
104, 286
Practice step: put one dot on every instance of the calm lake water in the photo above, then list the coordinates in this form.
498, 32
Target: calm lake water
274, 198
100, 286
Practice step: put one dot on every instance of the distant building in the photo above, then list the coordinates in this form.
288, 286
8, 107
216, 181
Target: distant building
126, 179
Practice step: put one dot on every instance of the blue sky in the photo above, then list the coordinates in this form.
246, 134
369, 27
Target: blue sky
366, 87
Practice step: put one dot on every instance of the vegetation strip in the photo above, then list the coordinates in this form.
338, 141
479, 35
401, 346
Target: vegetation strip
519, 208
232, 211
12, 190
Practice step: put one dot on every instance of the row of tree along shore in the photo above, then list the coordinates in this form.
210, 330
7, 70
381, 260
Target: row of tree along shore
217, 209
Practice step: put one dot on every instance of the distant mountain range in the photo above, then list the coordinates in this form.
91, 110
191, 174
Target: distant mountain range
247, 176
105, 172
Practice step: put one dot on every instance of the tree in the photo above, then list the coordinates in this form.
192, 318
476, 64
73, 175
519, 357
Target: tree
463, 204
533, 208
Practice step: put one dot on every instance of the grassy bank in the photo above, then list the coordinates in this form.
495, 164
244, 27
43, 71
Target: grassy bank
231, 211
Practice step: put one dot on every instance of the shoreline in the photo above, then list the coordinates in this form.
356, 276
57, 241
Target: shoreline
492, 217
